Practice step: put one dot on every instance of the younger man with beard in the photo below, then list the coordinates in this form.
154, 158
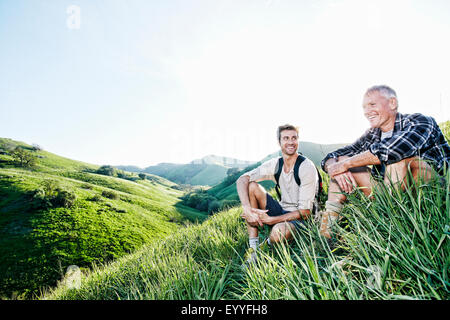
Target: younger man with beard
297, 201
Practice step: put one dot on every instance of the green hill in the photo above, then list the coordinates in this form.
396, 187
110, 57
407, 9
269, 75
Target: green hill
223, 161
211, 170
60, 213
394, 247
207, 171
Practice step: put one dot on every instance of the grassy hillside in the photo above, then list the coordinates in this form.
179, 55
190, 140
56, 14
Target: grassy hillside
60, 213
212, 174
394, 247
207, 171
185, 173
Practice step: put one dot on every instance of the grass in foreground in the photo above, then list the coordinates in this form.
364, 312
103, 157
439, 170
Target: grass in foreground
393, 247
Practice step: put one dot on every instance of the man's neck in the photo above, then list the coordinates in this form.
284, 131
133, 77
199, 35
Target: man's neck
389, 125
289, 161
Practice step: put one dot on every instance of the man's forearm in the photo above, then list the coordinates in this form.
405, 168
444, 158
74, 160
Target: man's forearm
365, 158
362, 159
328, 162
290, 216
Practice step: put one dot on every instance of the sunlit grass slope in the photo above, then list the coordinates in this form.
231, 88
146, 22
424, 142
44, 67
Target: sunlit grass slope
393, 247
107, 218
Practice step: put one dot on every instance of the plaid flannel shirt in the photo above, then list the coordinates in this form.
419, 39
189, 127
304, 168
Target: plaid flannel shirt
413, 135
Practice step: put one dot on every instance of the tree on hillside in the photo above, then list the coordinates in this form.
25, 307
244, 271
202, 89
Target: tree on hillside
23, 157
142, 176
107, 170
232, 171
36, 147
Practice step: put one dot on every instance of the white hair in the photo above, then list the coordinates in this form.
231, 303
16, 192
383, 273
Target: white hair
386, 91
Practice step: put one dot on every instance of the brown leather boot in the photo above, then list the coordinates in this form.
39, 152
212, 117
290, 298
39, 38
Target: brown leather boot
327, 221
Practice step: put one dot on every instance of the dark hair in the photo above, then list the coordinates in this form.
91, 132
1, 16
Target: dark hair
285, 127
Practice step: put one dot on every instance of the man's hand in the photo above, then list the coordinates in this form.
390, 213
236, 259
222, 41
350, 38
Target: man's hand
252, 216
339, 171
265, 218
346, 181
336, 168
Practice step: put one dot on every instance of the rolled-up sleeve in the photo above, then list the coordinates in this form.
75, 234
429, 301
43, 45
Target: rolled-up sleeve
265, 171
309, 185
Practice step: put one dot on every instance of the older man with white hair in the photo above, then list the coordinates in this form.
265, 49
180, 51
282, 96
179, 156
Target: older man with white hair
394, 143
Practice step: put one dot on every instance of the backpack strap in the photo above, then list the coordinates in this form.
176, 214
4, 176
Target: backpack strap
297, 164
277, 174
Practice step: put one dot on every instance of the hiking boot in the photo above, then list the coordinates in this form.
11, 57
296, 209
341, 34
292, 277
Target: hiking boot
327, 221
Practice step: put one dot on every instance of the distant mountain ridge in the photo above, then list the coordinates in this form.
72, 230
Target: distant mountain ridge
207, 171
212, 169
223, 161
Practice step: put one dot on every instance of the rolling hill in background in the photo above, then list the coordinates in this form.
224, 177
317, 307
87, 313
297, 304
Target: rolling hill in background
207, 171
60, 212
211, 170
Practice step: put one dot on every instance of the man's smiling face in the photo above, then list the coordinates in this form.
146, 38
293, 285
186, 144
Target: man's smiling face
380, 111
289, 142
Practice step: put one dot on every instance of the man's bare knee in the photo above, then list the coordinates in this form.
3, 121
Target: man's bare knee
276, 234
280, 232
253, 187
362, 176
419, 169
396, 172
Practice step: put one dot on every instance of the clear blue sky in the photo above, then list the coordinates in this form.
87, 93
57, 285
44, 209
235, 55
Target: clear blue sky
143, 82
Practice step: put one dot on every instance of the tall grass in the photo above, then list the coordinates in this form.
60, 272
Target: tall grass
395, 246
199, 262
